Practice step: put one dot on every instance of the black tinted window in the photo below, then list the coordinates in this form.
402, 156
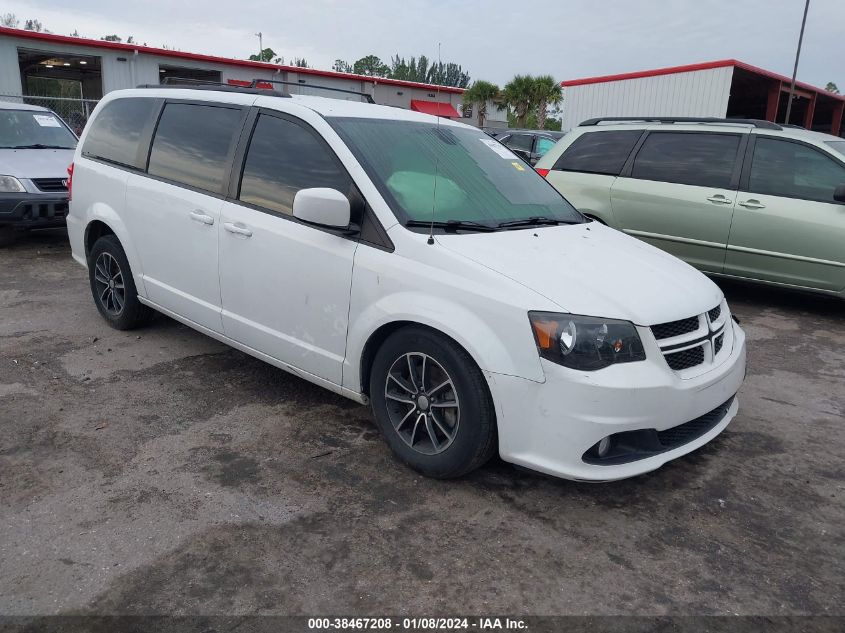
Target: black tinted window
520, 141
192, 143
781, 168
115, 133
284, 157
599, 152
706, 160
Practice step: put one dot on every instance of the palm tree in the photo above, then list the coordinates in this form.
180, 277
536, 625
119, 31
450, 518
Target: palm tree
480, 92
546, 92
519, 93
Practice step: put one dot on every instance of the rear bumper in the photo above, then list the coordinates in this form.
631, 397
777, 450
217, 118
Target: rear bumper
32, 211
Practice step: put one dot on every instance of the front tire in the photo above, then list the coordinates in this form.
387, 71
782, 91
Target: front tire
432, 404
113, 287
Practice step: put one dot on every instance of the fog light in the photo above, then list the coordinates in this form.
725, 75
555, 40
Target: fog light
603, 447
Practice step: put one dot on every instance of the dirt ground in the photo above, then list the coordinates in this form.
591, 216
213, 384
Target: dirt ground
158, 471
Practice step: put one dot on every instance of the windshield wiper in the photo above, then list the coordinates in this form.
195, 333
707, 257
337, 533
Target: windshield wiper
40, 146
454, 225
537, 220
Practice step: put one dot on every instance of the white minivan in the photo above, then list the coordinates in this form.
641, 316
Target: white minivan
408, 262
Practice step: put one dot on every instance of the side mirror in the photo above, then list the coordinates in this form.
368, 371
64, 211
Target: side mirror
839, 193
323, 206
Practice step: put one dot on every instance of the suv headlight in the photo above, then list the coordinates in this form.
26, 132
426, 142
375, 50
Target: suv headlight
583, 342
10, 184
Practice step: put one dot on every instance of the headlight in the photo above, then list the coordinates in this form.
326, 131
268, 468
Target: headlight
583, 342
10, 184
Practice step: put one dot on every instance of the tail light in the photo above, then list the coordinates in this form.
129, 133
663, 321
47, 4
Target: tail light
70, 181
542, 172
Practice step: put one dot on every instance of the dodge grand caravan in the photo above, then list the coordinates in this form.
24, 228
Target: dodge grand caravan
407, 262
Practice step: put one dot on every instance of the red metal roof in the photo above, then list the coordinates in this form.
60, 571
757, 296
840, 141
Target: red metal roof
437, 108
165, 52
722, 63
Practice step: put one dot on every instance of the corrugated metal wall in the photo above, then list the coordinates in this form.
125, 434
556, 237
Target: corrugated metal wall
697, 93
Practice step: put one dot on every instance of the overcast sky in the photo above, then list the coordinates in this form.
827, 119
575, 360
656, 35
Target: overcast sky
492, 40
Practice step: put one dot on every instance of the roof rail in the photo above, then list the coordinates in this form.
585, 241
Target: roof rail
204, 84
256, 82
765, 125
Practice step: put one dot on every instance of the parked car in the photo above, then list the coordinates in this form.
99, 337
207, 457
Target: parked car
745, 199
409, 262
530, 145
35, 149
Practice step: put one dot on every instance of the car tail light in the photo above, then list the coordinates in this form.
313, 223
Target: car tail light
542, 172
70, 181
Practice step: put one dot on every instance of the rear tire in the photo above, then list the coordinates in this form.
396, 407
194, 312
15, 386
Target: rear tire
432, 404
113, 287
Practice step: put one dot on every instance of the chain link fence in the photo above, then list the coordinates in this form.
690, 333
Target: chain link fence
74, 112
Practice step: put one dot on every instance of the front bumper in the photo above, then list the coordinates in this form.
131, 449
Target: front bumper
32, 211
550, 426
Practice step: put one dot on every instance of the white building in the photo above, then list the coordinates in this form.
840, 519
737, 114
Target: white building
723, 89
43, 64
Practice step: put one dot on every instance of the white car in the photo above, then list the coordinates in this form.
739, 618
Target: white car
407, 262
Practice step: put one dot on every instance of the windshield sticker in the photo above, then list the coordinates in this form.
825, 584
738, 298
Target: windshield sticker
46, 120
497, 147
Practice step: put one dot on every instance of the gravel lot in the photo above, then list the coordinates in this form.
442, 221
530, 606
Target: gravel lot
158, 471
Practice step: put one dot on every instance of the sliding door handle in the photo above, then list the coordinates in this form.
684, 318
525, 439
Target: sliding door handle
238, 229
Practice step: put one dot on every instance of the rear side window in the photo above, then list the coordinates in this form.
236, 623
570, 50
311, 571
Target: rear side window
115, 134
544, 145
599, 152
284, 157
192, 145
781, 168
520, 141
706, 160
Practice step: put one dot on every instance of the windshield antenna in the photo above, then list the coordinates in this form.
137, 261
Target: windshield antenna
436, 154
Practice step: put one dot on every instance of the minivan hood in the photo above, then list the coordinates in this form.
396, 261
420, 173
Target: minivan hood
35, 163
593, 270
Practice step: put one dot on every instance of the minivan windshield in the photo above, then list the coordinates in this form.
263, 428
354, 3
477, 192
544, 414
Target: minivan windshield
480, 183
34, 129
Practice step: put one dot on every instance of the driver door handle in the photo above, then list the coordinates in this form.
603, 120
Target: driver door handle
202, 217
237, 228
752, 204
719, 199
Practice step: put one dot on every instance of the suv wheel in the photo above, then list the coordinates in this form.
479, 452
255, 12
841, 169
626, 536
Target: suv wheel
113, 287
432, 404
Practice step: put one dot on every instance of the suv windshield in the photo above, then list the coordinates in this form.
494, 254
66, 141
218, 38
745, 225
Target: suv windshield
478, 179
33, 129
839, 146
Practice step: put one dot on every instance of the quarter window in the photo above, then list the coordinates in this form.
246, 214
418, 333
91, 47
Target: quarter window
706, 160
115, 133
192, 145
599, 152
781, 168
284, 157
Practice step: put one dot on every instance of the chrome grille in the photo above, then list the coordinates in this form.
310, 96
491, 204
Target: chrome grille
675, 328
51, 185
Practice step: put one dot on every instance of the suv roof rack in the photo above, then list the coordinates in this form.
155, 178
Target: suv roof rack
256, 82
766, 125
205, 84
